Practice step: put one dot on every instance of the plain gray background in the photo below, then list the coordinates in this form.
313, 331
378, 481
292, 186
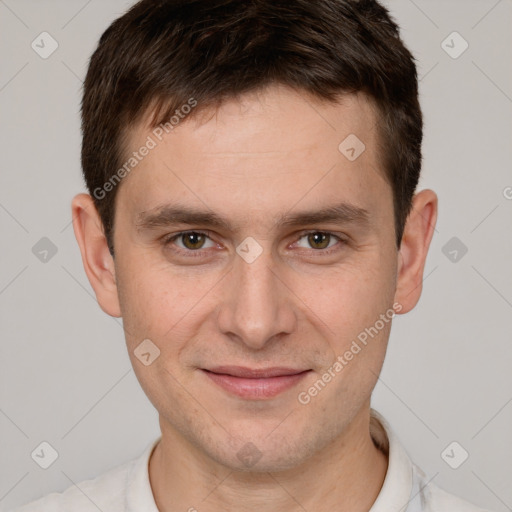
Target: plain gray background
65, 375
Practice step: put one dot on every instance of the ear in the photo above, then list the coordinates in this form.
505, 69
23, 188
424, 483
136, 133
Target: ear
418, 232
96, 258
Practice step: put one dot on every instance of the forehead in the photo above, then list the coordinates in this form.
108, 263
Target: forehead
263, 152
265, 113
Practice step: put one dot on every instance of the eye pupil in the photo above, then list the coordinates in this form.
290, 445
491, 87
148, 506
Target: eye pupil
322, 239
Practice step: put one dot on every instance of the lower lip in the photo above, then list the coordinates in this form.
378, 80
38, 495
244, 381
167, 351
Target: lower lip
256, 389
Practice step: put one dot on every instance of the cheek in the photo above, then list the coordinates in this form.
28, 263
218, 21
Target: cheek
348, 299
158, 304
147, 300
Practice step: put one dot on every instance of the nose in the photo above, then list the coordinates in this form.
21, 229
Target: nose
257, 306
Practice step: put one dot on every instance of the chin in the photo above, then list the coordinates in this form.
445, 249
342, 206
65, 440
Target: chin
260, 451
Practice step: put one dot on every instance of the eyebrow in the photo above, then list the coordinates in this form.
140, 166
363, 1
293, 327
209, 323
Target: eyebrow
168, 215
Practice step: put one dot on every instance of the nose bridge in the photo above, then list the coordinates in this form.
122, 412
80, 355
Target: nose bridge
257, 308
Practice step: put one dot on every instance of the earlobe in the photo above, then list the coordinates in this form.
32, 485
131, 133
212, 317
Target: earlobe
96, 258
416, 239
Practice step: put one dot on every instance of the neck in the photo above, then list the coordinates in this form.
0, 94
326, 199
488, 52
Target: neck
346, 475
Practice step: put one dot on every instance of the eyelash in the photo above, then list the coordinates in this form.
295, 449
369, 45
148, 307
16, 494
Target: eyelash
199, 253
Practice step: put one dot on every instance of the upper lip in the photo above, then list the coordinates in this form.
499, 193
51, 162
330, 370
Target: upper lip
255, 373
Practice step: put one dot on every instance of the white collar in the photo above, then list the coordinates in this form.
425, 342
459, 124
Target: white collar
395, 493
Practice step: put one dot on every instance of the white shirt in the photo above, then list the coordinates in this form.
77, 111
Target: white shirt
127, 488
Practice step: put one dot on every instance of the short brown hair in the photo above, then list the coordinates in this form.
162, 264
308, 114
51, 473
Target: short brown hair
162, 53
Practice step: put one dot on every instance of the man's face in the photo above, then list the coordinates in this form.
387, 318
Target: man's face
258, 292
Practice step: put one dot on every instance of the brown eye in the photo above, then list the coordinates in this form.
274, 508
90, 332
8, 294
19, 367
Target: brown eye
190, 243
193, 240
320, 243
319, 240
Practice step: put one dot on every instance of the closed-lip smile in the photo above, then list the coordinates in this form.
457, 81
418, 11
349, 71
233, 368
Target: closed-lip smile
255, 383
